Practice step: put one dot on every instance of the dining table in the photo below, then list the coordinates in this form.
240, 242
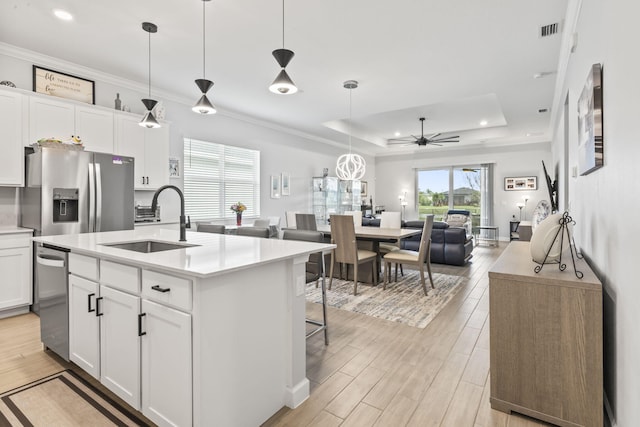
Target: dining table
375, 235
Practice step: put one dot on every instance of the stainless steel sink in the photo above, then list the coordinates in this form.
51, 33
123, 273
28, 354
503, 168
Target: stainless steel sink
148, 246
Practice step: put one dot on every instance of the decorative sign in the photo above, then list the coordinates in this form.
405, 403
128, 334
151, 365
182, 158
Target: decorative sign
521, 183
590, 141
63, 85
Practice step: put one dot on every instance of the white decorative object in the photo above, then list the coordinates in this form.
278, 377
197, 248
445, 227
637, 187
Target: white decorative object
545, 238
540, 212
350, 167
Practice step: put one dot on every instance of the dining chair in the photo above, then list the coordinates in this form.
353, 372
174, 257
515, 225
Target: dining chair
343, 235
210, 228
262, 223
419, 259
290, 216
314, 269
253, 232
357, 217
390, 220
306, 222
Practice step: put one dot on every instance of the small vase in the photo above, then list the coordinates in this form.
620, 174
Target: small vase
238, 219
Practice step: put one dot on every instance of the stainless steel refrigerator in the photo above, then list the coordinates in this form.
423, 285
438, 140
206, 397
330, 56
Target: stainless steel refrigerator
68, 192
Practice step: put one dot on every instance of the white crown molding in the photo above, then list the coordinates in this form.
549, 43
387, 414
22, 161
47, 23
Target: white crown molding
55, 63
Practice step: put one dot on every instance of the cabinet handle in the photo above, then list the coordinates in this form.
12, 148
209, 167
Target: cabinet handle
98, 307
89, 309
140, 316
143, 180
147, 180
159, 289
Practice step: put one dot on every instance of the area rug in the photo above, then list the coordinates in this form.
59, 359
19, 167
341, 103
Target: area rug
403, 301
62, 399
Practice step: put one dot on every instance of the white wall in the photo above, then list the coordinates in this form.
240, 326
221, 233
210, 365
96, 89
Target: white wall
280, 151
395, 174
605, 204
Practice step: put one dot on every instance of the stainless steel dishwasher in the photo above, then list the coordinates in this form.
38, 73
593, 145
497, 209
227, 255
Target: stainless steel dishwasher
52, 274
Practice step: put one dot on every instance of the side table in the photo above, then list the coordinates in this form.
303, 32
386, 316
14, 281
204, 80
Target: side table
490, 236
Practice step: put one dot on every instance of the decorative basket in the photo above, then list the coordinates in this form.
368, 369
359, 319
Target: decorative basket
57, 145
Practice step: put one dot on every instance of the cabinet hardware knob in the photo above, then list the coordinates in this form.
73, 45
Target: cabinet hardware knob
159, 289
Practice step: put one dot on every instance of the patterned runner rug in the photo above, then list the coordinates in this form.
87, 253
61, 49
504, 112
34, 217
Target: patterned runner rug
62, 399
403, 301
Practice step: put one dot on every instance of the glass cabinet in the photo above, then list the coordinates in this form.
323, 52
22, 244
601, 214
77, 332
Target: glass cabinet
333, 196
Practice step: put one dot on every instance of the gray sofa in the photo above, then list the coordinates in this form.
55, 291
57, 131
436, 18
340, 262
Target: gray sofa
449, 245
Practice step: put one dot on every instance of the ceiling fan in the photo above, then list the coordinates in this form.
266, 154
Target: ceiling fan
432, 140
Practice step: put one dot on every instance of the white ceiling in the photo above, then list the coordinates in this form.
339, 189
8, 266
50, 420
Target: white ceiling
454, 62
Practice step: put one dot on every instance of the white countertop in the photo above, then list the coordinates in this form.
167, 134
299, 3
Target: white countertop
12, 229
216, 253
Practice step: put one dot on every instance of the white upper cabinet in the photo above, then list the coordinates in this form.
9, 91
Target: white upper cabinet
50, 118
12, 131
96, 128
149, 147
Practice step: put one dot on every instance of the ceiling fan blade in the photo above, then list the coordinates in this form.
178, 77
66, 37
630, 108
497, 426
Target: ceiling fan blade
444, 141
433, 143
399, 139
435, 135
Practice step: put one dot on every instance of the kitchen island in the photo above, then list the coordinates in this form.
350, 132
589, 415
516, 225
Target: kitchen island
205, 335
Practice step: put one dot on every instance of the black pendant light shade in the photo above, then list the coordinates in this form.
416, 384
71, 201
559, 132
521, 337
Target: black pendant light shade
149, 121
283, 85
204, 106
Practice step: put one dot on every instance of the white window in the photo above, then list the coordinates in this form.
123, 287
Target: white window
217, 176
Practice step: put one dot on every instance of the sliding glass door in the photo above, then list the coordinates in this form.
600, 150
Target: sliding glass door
456, 187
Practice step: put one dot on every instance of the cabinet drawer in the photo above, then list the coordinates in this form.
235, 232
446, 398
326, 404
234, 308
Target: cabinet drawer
119, 276
166, 289
19, 240
83, 266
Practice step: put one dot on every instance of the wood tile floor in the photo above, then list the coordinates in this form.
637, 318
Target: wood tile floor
374, 372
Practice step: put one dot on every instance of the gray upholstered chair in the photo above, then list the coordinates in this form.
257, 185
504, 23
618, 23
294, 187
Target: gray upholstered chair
314, 271
306, 222
210, 228
253, 232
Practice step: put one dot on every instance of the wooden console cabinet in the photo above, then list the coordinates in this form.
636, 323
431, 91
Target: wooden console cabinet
545, 340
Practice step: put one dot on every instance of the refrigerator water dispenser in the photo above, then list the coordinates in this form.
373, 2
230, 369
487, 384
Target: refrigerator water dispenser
65, 205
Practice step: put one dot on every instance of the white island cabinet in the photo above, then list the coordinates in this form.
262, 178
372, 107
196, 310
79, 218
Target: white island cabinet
210, 334
15, 268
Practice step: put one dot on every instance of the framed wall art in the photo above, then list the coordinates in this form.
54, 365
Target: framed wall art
364, 189
590, 141
63, 85
174, 167
275, 186
520, 183
286, 184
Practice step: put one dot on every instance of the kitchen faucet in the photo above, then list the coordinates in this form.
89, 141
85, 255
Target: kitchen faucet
184, 223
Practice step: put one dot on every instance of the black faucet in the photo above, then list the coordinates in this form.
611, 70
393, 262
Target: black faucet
184, 223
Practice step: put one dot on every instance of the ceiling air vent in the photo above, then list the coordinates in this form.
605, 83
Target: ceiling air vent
549, 30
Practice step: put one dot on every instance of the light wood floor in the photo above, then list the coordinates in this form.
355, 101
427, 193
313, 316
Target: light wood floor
374, 372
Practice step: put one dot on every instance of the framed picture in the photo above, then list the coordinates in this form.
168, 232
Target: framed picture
521, 183
174, 167
286, 185
364, 189
590, 142
63, 85
275, 186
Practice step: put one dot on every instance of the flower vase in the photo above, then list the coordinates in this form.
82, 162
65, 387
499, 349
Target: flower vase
238, 219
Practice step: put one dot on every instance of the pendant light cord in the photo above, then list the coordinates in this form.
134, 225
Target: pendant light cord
149, 65
350, 119
283, 24
203, 41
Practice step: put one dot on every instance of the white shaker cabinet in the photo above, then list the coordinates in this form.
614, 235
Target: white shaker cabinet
50, 118
84, 325
149, 147
166, 365
96, 128
12, 129
120, 344
15, 268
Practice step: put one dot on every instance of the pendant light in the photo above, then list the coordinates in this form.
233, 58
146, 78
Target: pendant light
283, 85
148, 120
350, 166
204, 106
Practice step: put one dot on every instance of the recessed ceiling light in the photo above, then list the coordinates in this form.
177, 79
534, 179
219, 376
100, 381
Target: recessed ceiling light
63, 14
483, 123
396, 134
